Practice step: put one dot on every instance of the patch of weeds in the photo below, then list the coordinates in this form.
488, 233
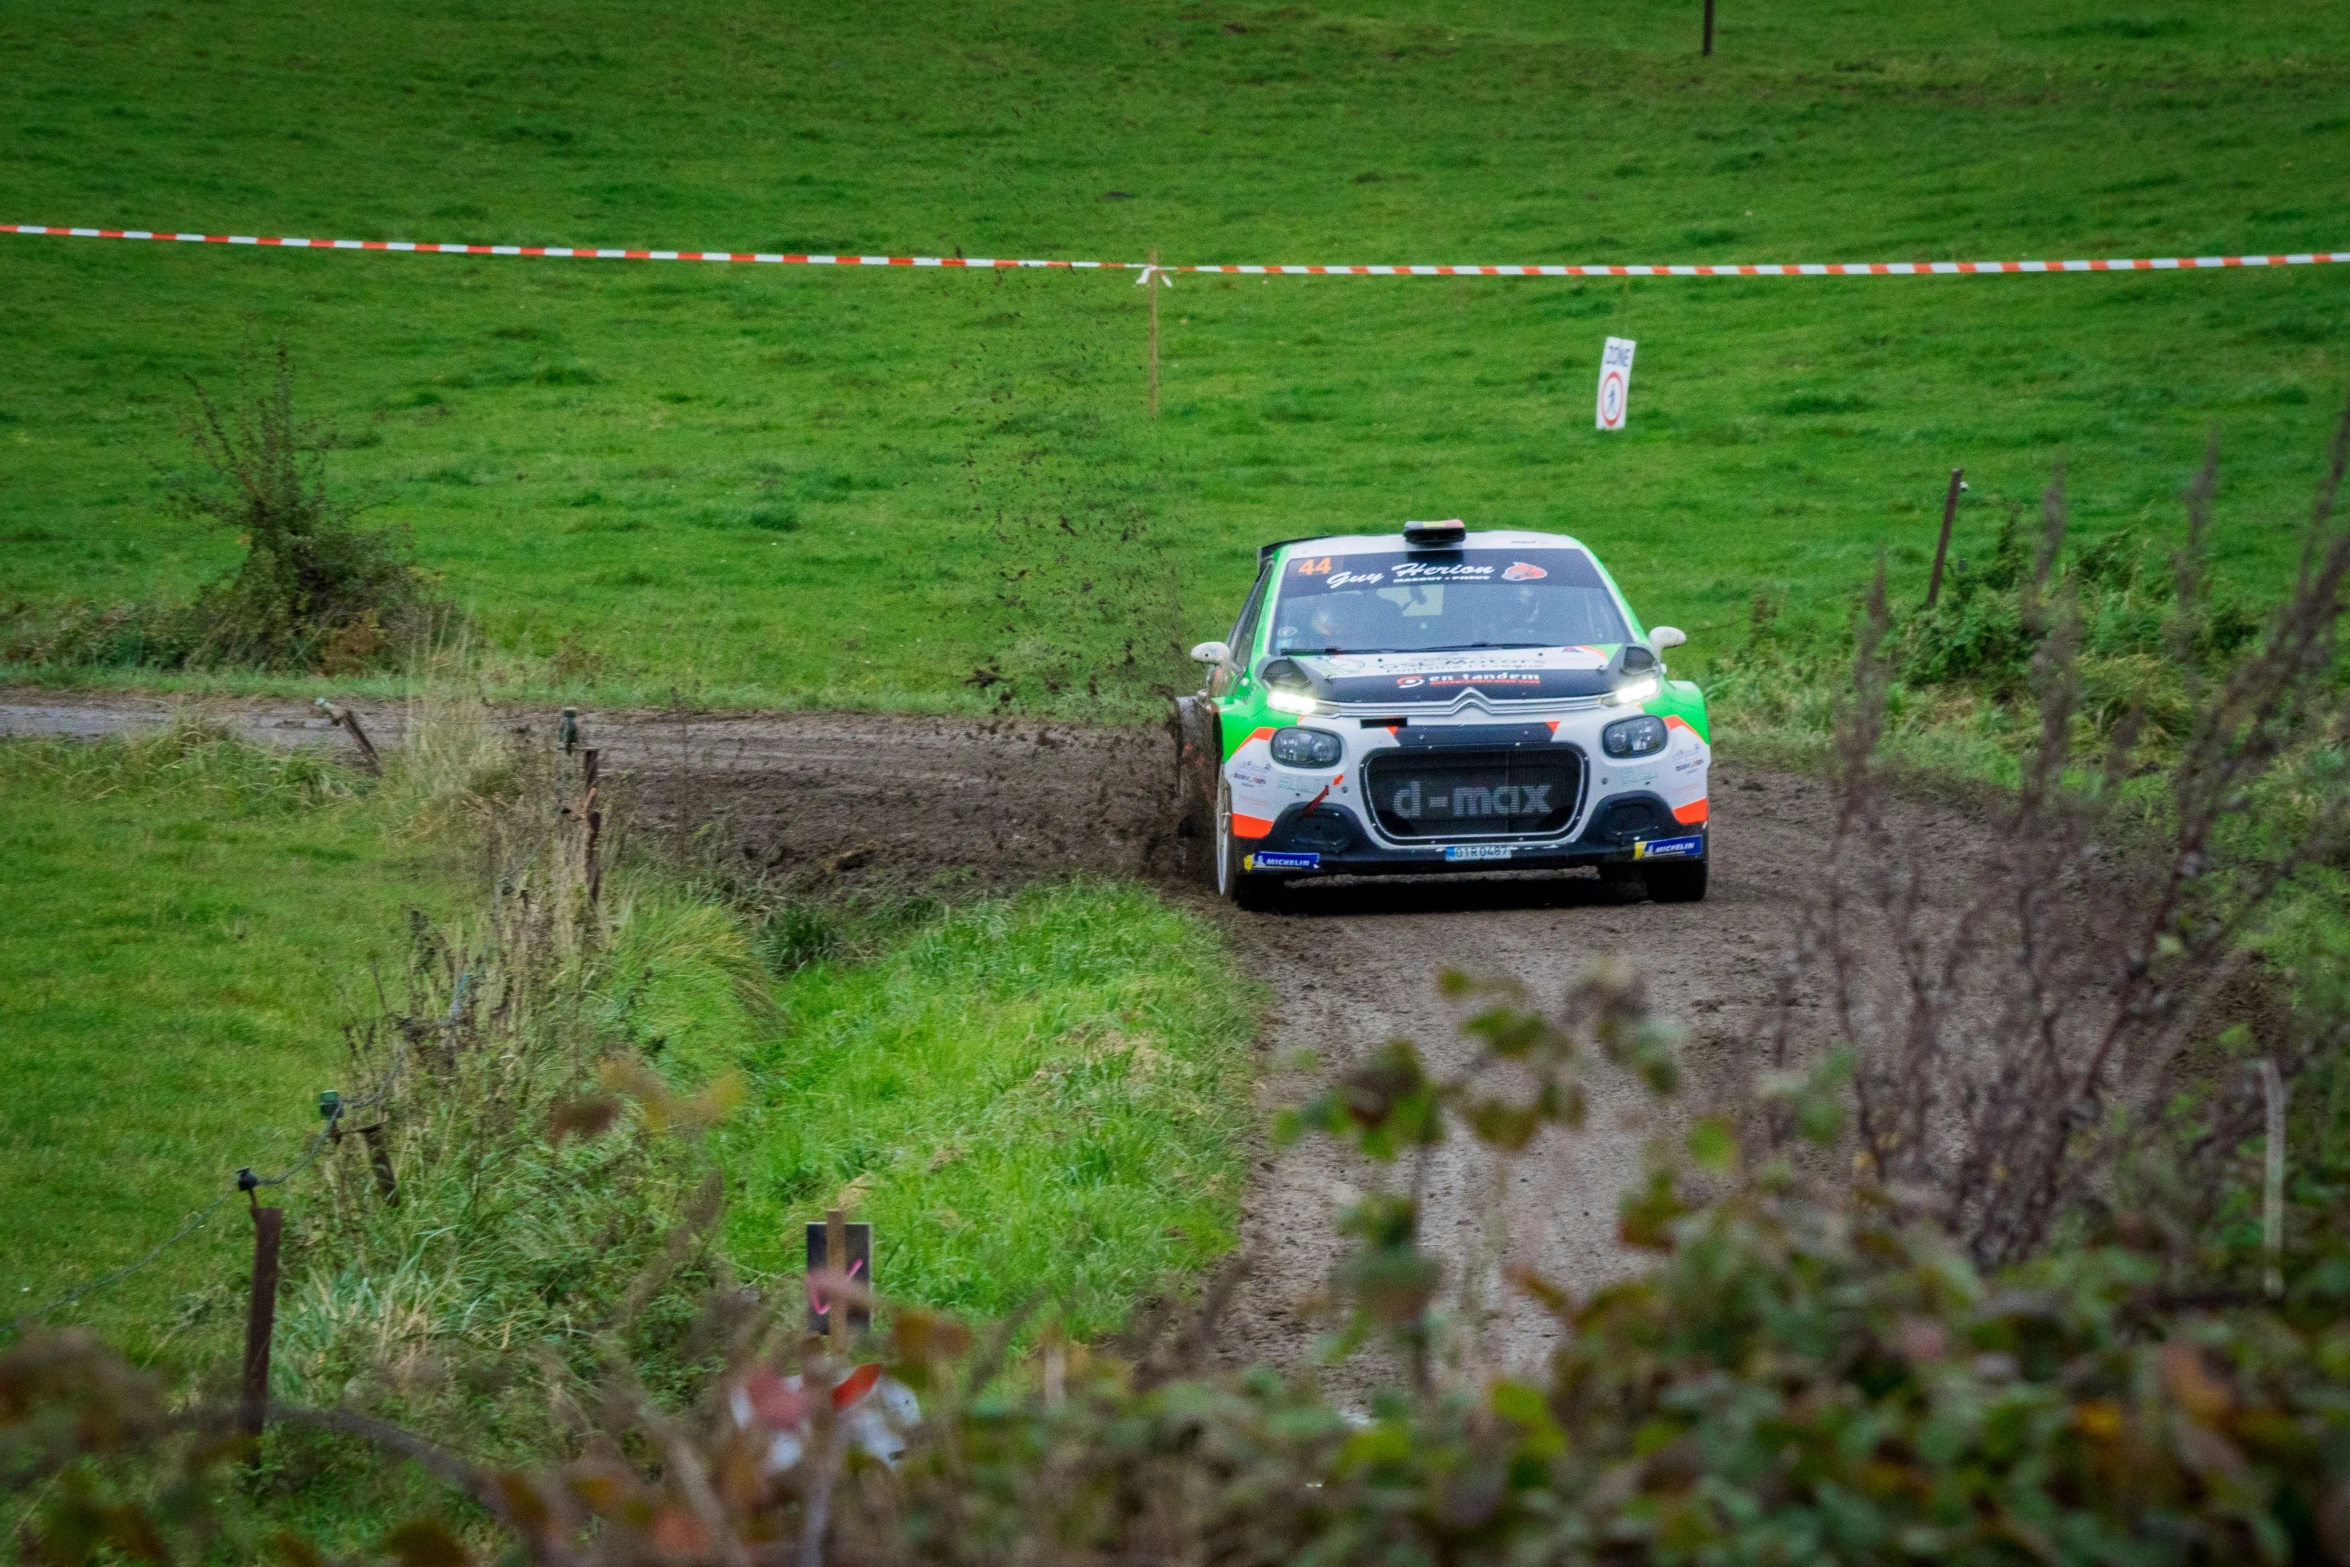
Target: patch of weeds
1820, 403
2130, 27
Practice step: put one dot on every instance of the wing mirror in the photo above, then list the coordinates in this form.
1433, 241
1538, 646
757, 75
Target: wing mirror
1212, 653
1659, 637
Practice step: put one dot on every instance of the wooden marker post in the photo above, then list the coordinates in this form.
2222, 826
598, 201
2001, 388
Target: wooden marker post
853, 1245
1709, 30
1942, 549
269, 1225
1150, 282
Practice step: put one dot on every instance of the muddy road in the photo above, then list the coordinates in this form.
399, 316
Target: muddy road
863, 797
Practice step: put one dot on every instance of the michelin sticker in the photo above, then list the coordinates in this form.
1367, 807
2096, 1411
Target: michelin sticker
1669, 848
1284, 862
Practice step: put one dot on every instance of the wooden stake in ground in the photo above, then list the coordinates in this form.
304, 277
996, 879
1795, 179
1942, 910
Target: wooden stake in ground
1942, 549
592, 766
269, 1226
350, 723
1150, 285
1709, 29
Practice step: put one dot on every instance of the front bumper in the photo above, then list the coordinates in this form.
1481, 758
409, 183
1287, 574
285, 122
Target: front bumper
1368, 815
1330, 841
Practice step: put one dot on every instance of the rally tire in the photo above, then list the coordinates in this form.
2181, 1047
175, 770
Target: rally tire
1682, 882
1244, 889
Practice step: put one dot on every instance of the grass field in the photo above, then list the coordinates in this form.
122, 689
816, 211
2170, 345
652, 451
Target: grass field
802, 486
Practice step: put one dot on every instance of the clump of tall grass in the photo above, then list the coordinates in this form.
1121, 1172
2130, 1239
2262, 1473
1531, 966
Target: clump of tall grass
189, 754
516, 1095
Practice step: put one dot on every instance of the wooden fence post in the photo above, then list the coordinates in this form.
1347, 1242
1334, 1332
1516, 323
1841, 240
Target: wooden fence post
379, 1159
592, 766
1942, 549
260, 1317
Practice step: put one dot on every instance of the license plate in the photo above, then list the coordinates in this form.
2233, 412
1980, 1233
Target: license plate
1478, 851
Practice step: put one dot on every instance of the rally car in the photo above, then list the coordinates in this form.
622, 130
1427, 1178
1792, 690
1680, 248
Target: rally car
1446, 700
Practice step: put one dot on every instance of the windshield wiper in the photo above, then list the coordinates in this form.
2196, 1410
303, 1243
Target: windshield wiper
1471, 647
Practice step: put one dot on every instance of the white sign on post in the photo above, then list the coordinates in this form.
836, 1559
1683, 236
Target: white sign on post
1615, 381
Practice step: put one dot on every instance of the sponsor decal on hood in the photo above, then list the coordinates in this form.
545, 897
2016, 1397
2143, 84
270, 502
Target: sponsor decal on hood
1343, 666
1514, 673
1439, 677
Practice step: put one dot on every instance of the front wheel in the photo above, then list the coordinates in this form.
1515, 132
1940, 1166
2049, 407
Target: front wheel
1678, 883
1244, 888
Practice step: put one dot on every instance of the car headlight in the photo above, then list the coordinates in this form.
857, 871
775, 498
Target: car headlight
1632, 691
1295, 747
1642, 736
1281, 699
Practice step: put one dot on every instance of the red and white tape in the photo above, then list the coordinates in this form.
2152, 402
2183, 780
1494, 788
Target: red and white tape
2306, 258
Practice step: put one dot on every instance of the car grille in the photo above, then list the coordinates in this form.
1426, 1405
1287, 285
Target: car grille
1515, 792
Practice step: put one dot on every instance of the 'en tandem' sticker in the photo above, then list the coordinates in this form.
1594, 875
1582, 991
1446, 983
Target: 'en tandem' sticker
1669, 848
1283, 862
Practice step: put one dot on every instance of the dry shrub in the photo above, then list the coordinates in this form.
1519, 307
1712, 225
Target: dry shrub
2013, 1055
316, 590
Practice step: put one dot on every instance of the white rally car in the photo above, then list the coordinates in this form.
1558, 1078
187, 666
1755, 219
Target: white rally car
1446, 700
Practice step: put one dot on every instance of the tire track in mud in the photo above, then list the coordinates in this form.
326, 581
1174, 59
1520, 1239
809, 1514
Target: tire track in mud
875, 799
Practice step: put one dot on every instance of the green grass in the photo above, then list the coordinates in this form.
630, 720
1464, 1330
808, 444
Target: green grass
800, 486
1041, 1096
187, 924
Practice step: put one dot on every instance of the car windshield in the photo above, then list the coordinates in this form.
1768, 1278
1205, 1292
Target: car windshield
1428, 601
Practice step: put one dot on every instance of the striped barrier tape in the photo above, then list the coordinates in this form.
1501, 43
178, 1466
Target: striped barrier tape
2304, 258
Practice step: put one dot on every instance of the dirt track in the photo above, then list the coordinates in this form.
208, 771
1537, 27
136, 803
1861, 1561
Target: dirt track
1349, 966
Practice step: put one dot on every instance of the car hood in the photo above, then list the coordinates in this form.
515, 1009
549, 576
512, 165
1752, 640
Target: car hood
1512, 674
